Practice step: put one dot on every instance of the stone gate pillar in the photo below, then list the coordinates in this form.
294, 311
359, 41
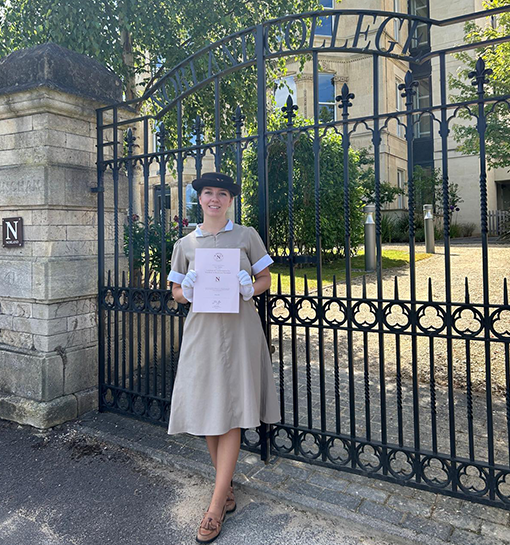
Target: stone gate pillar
48, 286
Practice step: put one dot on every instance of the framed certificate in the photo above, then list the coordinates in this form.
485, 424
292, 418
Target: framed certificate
217, 286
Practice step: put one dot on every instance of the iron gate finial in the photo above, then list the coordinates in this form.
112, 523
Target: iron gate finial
345, 100
289, 109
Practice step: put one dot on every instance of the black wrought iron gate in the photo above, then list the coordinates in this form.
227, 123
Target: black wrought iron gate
387, 381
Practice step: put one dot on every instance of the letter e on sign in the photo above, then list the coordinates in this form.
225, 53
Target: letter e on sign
12, 232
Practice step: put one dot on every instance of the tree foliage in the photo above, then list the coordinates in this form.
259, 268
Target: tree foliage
332, 210
428, 189
140, 40
497, 58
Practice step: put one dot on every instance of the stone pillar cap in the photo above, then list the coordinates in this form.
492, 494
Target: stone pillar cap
51, 65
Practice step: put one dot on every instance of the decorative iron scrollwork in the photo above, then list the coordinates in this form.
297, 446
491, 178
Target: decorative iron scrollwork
397, 316
436, 472
309, 449
335, 313
431, 318
306, 310
467, 321
282, 440
364, 315
401, 464
338, 451
473, 480
369, 457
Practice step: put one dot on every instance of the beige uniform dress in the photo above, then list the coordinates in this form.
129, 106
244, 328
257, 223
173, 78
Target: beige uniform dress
224, 377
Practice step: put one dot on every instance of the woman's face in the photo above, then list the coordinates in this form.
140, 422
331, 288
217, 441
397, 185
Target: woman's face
215, 201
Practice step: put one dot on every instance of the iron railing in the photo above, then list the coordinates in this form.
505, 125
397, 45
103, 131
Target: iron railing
368, 377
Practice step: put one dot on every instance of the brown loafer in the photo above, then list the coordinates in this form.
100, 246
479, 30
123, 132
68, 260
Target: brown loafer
231, 501
210, 527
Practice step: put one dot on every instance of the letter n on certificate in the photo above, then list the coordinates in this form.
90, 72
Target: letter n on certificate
217, 286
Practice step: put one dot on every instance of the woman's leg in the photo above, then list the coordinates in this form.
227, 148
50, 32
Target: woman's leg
212, 445
227, 453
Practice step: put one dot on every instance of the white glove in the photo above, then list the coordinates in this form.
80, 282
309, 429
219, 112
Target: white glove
246, 288
188, 283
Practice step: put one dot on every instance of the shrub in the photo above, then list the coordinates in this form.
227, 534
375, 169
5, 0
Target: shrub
467, 229
396, 228
388, 228
506, 231
332, 223
154, 236
455, 230
428, 189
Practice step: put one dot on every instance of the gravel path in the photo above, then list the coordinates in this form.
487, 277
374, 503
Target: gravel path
466, 270
468, 359
465, 263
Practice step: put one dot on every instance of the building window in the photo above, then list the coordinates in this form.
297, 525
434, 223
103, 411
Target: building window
396, 22
325, 24
422, 99
192, 206
400, 184
326, 98
421, 9
284, 88
399, 107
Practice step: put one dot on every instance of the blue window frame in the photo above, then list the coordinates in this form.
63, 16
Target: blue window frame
326, 98
325, 24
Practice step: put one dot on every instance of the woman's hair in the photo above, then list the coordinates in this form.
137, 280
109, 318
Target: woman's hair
199, 192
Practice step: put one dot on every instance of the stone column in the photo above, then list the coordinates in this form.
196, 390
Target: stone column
48, 287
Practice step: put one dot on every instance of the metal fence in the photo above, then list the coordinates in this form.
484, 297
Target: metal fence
369, 379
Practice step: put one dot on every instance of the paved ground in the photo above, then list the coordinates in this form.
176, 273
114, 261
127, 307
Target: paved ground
65, 487
400, 514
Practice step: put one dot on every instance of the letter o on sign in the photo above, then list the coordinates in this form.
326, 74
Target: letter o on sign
292, 38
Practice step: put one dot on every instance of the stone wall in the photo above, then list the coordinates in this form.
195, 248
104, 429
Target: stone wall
48, 287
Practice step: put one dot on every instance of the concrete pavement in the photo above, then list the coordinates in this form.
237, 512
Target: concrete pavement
66, 487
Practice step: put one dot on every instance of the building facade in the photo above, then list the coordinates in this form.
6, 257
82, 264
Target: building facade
356, 70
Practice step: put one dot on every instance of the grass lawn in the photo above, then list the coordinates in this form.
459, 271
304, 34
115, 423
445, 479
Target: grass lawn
390, 259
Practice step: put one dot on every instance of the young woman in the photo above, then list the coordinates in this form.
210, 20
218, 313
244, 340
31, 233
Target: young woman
224, 380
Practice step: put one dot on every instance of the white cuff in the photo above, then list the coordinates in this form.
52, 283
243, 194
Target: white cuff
261, 264
176, 277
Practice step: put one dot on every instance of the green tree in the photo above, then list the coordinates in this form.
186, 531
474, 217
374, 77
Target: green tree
154, 234
140, 39
497, 58
428, 189
332, 224
387, 192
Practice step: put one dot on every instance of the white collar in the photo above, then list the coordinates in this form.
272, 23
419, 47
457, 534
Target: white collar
228, 227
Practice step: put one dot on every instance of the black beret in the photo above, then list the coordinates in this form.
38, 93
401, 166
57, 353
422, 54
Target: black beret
216, 179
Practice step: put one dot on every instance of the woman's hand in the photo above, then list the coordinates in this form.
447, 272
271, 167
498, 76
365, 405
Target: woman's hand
188, 284
246, 288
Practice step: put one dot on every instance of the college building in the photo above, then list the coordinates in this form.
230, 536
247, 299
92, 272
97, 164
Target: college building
355, 69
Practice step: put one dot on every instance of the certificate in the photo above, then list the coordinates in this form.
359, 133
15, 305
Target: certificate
216, 288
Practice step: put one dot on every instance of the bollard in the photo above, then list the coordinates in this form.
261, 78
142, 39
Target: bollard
428, 221
370, 263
